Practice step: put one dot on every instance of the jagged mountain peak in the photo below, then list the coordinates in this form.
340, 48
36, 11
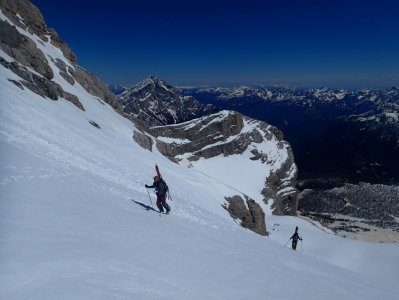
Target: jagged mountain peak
156, 103
150, 83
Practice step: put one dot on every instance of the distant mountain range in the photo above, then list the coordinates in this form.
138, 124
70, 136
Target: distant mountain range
337, 136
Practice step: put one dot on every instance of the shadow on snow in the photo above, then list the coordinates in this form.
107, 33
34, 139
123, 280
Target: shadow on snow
146, 207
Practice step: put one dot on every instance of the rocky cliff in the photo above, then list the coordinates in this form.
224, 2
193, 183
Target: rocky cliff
249, 213
32, 52
157, 103
233, 136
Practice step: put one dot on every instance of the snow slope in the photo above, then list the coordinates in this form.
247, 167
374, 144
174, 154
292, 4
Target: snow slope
76, 221
378, 260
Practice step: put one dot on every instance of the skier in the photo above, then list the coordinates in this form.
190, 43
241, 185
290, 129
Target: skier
295, 238
161, 194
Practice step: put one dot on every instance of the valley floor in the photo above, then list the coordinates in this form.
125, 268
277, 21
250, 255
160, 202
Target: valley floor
355, 229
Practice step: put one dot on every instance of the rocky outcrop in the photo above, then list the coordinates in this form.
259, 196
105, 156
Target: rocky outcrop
230, 133
36, 68
94, 86
279, 185
39, 85
156, 103
31, 18
25, 15
23, 50
204, 132
251, 215
143, 140
64, 72
57, 42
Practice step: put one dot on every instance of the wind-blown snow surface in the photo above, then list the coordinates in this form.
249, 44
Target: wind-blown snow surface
76, 221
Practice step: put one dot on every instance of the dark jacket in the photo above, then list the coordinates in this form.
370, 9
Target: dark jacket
159, 187
295, 237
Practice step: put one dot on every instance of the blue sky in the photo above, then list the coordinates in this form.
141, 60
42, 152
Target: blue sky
338, 44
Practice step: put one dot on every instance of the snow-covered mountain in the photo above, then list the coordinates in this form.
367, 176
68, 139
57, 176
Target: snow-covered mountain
337, 136
227, 137
224, 139
353, 135
309, 97
156, 103
77, 222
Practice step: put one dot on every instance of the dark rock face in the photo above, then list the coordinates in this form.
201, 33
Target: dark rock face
27, 56
156, 103
251, 215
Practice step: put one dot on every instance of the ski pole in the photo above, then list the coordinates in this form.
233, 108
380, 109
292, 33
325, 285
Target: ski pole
286, 242
169, 196
150, 198
301, 244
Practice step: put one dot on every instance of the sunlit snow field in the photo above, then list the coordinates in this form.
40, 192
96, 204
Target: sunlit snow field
76, 221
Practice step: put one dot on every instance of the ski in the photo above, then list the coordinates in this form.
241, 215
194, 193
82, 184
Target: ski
164, 183
157, 169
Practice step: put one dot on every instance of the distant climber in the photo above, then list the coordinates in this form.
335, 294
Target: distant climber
160, 190
295, 237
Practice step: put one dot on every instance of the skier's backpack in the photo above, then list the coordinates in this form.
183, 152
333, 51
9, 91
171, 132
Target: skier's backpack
165, 185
